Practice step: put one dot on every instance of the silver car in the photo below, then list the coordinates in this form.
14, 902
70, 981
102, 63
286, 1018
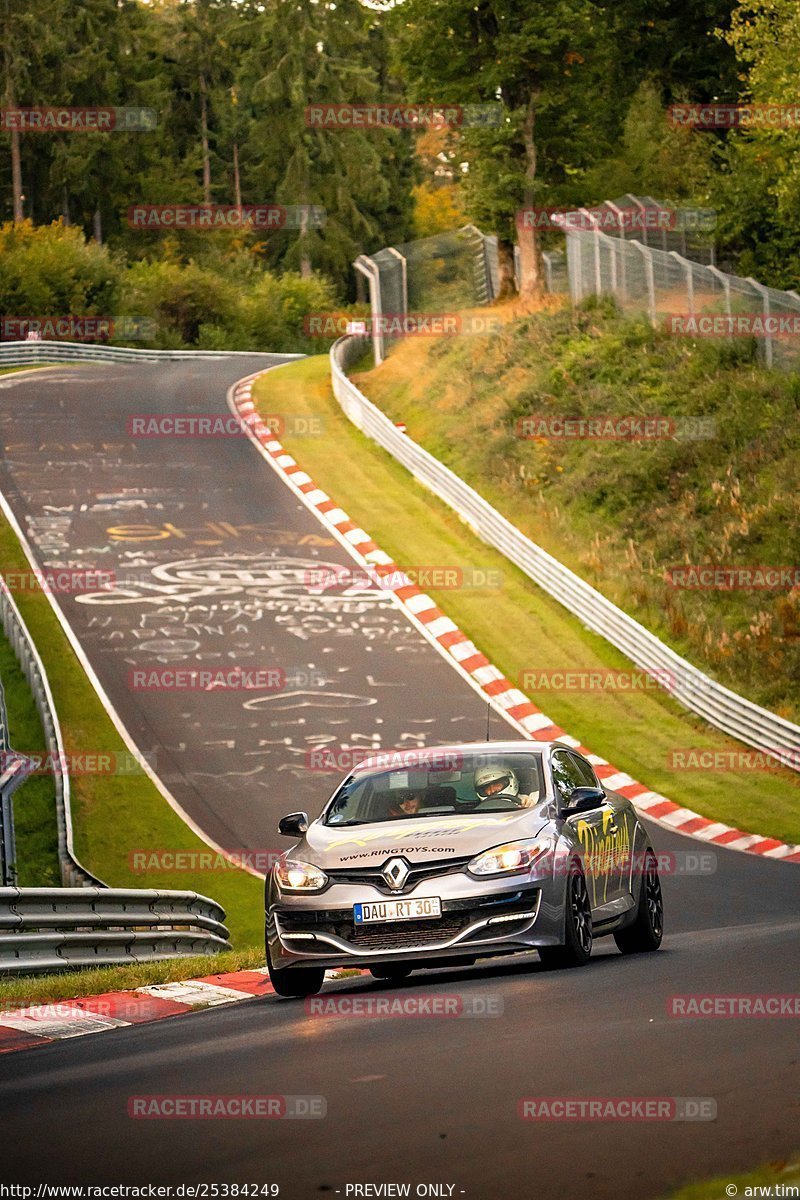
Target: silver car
437, 857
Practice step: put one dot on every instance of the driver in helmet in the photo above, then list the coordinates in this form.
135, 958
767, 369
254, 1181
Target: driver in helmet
498, 780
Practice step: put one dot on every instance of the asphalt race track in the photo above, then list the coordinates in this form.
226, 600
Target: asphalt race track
221, 564
417, 1100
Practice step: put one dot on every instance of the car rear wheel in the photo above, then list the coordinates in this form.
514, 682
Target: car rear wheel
644, 935
393, 973
295, 982
577, 948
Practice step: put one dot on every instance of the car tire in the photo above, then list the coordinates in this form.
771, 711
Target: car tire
644, 935
295, 982
390, 972
577, 947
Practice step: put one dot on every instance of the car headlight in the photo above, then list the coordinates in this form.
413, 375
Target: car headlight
514, 856
295, 876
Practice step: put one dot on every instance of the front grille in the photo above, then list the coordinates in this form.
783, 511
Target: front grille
456, 916
371, 876
415, 933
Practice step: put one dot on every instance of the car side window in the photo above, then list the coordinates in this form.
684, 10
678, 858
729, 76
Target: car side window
585, 772
566, 775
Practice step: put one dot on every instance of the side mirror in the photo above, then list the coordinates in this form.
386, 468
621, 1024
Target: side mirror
583, 799
294, 824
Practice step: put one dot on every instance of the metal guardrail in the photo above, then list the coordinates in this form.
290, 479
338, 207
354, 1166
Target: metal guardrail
85, 923
8, 855
14, 770
62, 929
73, 872
19, 354
718, 705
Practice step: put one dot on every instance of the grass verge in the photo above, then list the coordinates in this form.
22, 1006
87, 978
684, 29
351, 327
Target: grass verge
94, 981
715, 485
114, 815
765, 1177
517, 625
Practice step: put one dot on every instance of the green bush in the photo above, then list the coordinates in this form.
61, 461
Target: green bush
222, 303
178, 298
52, 270
274, 311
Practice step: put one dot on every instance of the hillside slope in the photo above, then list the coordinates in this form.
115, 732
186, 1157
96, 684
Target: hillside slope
625, 513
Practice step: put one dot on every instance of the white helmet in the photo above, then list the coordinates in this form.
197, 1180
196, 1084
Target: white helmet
494, 773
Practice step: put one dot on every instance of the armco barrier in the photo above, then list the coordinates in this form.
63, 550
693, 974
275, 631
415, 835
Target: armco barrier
58, 929
31, 354
73, 873
14, 770
724, 709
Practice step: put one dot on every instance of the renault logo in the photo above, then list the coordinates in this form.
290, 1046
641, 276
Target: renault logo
395, 873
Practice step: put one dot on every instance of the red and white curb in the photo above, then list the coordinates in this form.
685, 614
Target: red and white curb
38, 1024
467, 659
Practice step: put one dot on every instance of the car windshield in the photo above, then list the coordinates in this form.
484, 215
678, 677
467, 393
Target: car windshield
455, 783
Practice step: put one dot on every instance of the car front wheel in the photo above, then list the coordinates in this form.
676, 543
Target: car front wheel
295, 982
577, 948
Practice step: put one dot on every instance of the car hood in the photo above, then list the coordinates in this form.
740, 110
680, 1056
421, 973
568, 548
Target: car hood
417, 841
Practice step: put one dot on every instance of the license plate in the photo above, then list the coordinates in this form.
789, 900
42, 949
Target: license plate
397, 910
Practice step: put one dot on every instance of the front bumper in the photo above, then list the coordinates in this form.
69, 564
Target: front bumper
512, 916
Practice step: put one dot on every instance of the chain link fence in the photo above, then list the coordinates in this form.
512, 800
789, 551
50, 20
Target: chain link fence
434, 275
660, 261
